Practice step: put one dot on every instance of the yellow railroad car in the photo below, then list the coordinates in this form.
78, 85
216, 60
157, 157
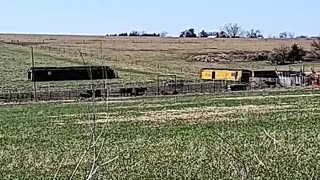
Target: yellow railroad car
240, 75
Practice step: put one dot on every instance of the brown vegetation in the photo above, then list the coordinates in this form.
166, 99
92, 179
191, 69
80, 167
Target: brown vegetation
140, 59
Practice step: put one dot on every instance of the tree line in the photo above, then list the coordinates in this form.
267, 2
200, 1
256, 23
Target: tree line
235, 31
227, 31
141, 34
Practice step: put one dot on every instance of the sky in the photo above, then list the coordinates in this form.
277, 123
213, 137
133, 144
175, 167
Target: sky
99, 17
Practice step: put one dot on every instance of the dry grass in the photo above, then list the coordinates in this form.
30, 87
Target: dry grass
143, 59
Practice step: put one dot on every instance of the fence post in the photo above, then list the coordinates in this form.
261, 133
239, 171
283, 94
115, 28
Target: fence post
158, 85
175, 83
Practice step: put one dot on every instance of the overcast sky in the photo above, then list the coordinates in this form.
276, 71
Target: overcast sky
172, 16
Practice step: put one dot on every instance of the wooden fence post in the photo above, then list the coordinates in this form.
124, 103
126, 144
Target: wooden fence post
158, 85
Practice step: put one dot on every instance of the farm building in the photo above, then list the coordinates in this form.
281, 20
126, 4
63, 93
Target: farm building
261, 79
239, 75
277, 78
75, 73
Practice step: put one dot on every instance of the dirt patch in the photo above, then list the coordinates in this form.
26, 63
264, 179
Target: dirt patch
198, 114
269, 96
232, 56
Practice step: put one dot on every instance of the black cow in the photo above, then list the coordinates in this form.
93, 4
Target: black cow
139, 91
270, 83
126, 91
175, 93
164, 93
89, 94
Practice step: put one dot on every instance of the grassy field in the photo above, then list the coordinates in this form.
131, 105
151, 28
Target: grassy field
15, 62
272, 135
136, 59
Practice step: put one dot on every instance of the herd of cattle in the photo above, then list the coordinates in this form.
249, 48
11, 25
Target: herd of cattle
140, 91
168, 88
123, 92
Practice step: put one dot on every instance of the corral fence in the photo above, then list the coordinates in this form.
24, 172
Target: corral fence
114, 90
163, 88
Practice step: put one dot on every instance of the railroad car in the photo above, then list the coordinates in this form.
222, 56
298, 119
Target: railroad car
238, 75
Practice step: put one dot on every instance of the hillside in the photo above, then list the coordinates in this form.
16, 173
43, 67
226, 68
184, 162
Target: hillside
136, 59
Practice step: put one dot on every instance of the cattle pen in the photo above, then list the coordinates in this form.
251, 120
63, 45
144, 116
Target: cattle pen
164, 88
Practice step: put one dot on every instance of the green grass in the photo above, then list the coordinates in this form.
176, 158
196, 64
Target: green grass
270, 135
15, 62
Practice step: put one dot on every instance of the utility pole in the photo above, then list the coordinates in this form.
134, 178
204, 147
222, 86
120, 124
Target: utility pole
33, 77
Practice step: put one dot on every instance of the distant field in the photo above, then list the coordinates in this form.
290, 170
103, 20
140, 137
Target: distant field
255, 136
136, 59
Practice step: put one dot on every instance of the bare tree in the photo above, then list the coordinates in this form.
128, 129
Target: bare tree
233, 30
291, 35
286, 55
96, 144
283, 35
254, 33
163, 34
280, 55
316, 48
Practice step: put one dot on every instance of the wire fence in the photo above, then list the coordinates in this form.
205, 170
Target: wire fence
130, 89
160, 88
96, 54
121, 90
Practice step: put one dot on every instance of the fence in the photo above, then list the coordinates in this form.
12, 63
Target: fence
152, 89
97, 55
74, 93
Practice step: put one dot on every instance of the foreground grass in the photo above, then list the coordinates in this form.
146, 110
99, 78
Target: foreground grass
261, 136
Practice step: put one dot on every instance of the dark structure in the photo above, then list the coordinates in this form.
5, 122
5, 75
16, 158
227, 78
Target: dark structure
89, 94
274, 78
140, 91
75, 73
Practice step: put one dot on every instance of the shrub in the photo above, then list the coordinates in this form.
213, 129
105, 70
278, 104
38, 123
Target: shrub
296, 53
285, 55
